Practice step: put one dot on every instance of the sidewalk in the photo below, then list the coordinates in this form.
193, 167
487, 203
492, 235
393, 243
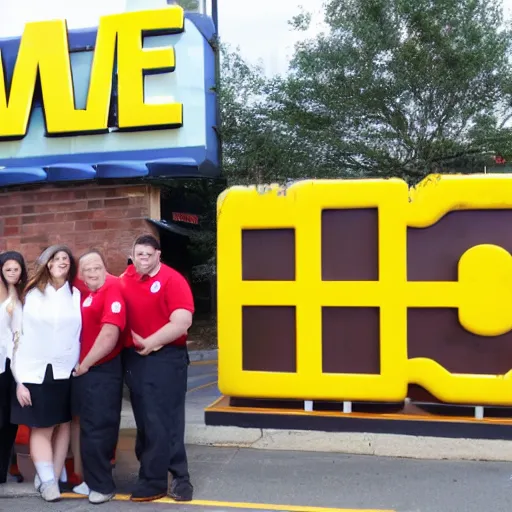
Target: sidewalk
251, 469
203, 391
262, 480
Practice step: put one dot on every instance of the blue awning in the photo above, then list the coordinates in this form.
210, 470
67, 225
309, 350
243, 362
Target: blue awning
119, 169
158, 168
70, 172
172, 166
21, 176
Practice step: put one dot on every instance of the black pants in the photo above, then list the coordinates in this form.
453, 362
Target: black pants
158, 386
100, 392
8, 431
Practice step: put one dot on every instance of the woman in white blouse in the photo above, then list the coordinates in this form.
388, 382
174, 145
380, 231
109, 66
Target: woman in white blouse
13, 279
44, 361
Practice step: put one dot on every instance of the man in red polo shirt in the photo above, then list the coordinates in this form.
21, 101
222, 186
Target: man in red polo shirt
98, 382
159, 307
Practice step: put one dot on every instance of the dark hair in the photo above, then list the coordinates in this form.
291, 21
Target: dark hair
149, 240
42, 274
18, 258
93, 251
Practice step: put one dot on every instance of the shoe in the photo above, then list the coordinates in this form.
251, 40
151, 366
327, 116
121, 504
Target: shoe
181, 490
11, 480
50, 491
141, 499
96, 498
82, 489
14, 471
63, 486
140, 496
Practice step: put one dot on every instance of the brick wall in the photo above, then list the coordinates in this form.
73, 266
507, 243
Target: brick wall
105, 217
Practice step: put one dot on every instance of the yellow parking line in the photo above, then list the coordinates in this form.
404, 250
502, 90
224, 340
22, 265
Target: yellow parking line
203, 376
232, 504
201, 363
202, 386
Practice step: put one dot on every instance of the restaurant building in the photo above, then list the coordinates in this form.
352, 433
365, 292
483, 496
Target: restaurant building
109, 132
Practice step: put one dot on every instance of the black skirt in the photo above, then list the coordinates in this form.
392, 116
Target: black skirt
51, 403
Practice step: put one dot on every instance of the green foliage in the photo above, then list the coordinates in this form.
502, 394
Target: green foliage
255, 150
390, 88
189, 5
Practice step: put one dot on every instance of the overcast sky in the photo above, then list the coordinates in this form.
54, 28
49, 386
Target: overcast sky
262, 32
261, 36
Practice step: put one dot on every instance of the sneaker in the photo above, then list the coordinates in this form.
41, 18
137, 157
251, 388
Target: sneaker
50, 491
96, 498
37, 484
181, 490
82, 489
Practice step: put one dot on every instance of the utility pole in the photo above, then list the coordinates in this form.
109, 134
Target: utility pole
215, 16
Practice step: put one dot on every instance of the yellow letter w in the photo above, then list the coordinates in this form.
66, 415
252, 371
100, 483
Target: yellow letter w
44, 49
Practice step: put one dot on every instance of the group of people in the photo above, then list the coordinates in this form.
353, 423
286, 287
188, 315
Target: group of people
70, 335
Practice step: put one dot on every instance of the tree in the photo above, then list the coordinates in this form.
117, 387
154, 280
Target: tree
256, 148
398, 87
188, 5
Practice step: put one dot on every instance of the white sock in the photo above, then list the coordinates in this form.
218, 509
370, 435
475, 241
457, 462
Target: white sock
64, 475
45, 471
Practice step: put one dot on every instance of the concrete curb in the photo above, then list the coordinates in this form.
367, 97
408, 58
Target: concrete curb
387, 445
203, 355
354, 443
15, 490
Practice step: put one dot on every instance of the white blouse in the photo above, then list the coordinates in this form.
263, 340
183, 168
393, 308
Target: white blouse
50, 334
10, 322
15, 327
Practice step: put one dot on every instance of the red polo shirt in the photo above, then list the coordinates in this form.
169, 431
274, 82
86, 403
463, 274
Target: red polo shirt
103, 306
150, 301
